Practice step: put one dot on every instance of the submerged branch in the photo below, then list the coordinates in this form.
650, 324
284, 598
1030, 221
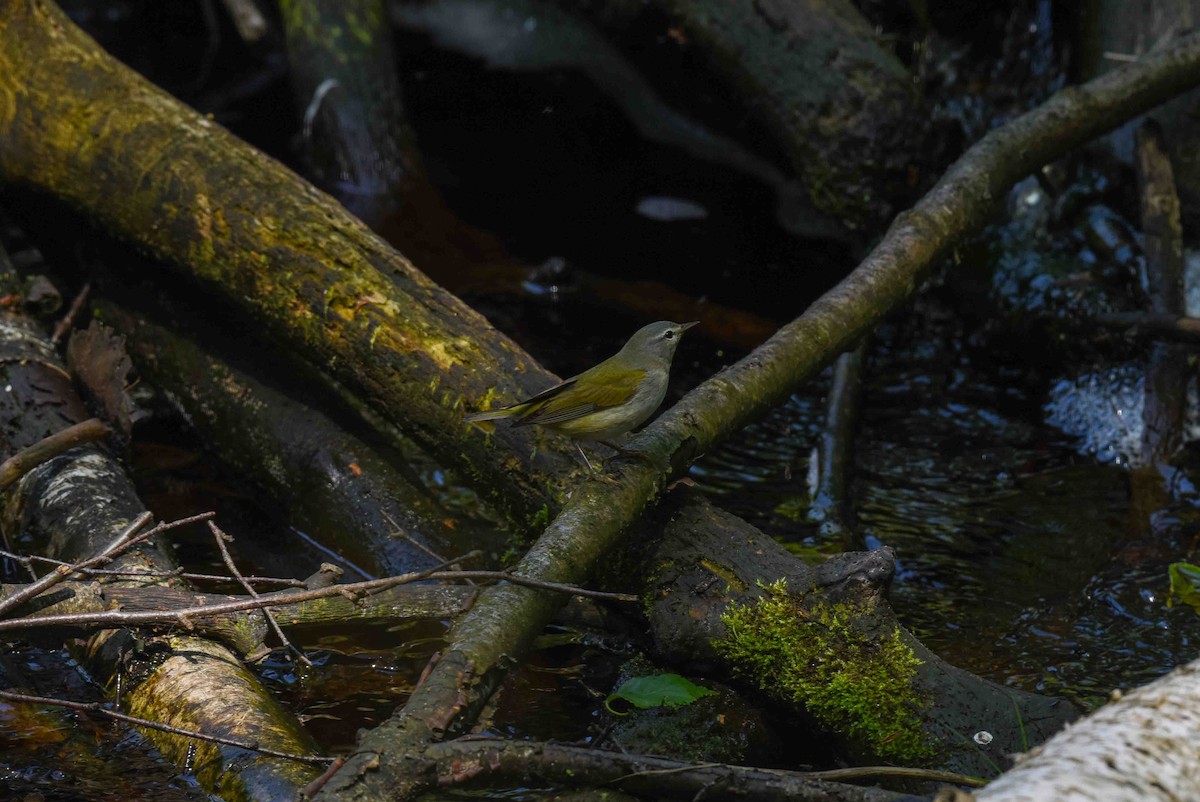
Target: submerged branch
98, 709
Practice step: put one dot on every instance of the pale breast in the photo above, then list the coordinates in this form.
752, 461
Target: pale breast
610, 423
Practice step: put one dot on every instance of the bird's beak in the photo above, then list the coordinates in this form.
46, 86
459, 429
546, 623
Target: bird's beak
684, 327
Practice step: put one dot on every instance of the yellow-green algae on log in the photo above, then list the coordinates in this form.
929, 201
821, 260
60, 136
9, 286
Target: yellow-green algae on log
815, 656
80, 127
180, 693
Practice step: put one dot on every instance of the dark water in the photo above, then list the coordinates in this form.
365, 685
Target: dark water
54, 755
1019, 558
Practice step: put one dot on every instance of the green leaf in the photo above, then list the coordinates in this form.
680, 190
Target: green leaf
657, 690
1185, 584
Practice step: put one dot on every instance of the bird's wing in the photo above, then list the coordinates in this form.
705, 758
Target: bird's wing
584, 399
521, 408
546, 395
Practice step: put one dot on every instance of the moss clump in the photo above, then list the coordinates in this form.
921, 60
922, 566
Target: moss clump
816, 657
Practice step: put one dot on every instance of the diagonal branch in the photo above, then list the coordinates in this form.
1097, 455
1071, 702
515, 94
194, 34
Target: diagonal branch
221, 538
499, 628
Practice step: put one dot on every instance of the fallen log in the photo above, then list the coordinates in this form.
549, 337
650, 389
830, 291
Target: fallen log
75, 503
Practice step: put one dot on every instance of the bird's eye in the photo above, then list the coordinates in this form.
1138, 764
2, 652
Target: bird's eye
670, 335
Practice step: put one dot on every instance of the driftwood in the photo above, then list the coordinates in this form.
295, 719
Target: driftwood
75, 503
1167, 373
456, 762
834, 455
839, 107
500, 628
357, 142
85, 606
821, 643
1120, 32
1166, 377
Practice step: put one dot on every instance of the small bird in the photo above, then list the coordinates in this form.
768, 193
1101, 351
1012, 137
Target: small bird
608, 400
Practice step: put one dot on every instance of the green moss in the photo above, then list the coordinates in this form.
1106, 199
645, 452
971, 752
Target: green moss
794, 508
541, 519
851, 683
726, 574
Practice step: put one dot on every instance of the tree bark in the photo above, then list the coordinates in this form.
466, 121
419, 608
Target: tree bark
500, 626
357, 142
841, 108
324, 480
285, 255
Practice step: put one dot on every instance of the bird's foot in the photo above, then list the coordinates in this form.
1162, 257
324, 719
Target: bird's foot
597, 475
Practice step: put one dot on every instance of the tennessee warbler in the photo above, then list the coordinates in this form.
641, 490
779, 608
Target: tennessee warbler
606, 401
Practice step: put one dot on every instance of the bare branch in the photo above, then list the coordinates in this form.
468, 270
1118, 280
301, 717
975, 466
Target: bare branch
25, 460
188, 616
222, 539
63, 326
62, 572
126, 540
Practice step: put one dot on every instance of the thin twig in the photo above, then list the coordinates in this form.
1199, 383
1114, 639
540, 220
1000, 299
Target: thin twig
537, 584
926, 775
222, 539
62, 572
25, 460
310, 790
98, 709
186, 616
1166, 326
126, 540
178, 573
114, 618
418, 545
68, 320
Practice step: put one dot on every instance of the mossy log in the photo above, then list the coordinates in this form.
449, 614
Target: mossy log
499, 628
324, 480
75, 504
77, 125
821, 643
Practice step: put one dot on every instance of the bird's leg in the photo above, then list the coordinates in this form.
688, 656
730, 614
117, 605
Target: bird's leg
595, 473
586, 461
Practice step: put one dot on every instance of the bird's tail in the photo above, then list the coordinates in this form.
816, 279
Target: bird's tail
494, 414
